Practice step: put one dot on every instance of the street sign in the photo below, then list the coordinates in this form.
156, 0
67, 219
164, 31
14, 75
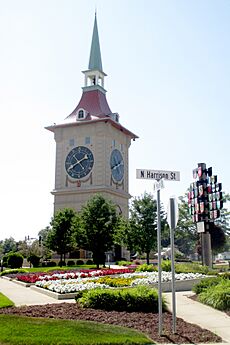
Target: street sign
200, 227
158, 185
172, 213
158, 175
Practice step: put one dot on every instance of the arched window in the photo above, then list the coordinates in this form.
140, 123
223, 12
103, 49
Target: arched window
81, 114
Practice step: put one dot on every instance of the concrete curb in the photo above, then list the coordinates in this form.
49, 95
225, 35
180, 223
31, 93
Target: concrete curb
56, 295
180, 285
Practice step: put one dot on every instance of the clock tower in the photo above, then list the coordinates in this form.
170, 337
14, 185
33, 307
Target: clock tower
91, 145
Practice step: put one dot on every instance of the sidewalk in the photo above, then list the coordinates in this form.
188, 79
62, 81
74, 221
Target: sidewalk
204, 316
187, 309
21, 295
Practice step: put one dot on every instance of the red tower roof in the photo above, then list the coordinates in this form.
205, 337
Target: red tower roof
94, 102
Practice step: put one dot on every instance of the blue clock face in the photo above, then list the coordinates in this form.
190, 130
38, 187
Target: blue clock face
117, 165
79, 162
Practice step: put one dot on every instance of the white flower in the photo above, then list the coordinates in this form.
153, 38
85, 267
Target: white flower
69, 285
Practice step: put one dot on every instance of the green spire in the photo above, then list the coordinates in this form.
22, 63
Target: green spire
95, 52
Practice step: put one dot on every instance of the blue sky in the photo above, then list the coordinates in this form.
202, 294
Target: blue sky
168, 66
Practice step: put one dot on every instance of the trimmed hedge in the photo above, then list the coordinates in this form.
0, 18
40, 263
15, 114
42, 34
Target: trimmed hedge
89, 262
123, 263
14, 260
138, 299
34, 260
61, 263
50, 264
191, 267
13, 271
146, 268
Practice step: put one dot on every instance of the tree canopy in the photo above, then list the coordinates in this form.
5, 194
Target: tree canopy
60, 236
186, 233
140, 233
95, 227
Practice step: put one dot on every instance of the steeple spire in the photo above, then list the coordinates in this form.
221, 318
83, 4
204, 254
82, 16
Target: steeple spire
95, 62
94, 76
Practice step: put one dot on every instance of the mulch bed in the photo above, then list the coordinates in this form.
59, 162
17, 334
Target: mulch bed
145, 322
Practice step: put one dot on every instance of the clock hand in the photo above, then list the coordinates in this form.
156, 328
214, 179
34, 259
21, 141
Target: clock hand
117, 165
78, 162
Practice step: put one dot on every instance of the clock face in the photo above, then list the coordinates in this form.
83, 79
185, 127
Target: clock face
79, 162
117, 165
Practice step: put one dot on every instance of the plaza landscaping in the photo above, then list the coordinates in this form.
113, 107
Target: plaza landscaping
123, 297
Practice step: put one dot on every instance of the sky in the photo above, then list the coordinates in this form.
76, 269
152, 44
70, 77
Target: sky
168, 67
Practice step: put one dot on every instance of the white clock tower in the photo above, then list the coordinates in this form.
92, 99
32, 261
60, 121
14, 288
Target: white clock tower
91, 145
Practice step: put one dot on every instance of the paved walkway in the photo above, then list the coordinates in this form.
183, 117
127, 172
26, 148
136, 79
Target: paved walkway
22, 295
189, 310
200, 314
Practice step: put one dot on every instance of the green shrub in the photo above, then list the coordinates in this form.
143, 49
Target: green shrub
51, 264
138, 299
70, 263
13, 271
89, 262
15, 260
123, 263
4, 260
191, 268
166, 265
146, 268
217, 297
225, 275
62, 263
204, 284
79, 262
34, 260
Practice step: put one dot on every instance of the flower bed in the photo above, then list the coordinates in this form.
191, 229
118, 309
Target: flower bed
70, 285
34, 277
152, 277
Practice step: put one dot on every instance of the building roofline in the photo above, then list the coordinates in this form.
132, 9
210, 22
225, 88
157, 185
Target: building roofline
104, 119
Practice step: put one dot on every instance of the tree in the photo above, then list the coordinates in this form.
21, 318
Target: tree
34, 260
186, 235
224, 223
9, 245
140, 234
95, 227
45, 252
60, 236
218, 238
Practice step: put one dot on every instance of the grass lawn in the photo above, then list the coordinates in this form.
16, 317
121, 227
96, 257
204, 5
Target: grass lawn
5, 301
17, 330
63, 268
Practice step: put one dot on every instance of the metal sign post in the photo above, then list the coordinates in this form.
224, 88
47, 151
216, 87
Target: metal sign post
159, 262
172, 219
158, 176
